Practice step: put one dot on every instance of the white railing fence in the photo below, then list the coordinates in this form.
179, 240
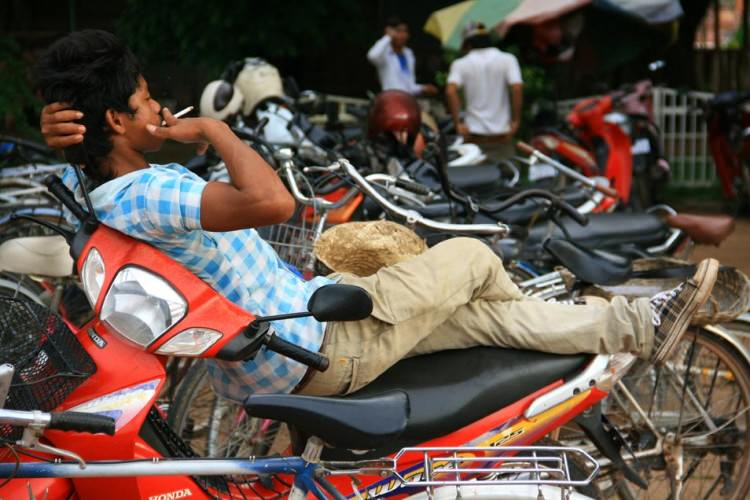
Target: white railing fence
683, 134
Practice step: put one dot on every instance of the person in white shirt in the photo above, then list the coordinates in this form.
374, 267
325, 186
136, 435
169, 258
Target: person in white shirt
493, 93
395, 61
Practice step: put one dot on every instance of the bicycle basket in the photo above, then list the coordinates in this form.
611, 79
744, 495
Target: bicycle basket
293, 242
48, 359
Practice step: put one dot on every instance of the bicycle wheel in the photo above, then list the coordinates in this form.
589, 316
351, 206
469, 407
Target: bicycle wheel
688, 422
216, 427
20, 286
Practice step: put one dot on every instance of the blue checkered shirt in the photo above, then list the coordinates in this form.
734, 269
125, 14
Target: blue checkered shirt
161, 206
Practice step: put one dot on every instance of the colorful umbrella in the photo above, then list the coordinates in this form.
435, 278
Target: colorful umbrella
447, 24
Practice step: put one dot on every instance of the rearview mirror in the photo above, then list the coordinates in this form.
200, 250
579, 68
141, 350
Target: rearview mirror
340, 303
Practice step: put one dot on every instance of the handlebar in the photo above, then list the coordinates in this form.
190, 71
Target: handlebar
318, 203
82, 422
412, 216
535, 153
309, 358
62, 193
555, 200
63, 421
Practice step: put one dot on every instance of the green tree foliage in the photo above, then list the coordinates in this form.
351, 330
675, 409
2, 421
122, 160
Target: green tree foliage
212, 33
18, 104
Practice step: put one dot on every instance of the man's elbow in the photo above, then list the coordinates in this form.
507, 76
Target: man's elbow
283, 207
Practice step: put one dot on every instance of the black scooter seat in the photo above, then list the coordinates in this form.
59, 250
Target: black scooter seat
590, 266
435, 394
475, 178
605, 231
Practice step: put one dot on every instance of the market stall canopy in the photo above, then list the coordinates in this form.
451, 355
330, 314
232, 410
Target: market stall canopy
650, 11
447, 24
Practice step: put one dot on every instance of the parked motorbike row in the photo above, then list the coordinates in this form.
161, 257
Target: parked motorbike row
105, 391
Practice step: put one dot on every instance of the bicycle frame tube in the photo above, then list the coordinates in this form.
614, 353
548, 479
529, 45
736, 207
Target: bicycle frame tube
305, 473
160, 467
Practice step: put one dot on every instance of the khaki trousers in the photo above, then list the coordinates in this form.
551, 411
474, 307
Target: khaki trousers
457, 295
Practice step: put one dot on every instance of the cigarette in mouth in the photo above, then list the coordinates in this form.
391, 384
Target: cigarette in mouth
179, 114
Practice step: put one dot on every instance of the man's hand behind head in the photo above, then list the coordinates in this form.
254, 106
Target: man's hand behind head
58, 126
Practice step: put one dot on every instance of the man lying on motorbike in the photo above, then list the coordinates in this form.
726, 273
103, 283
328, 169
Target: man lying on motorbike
453, 296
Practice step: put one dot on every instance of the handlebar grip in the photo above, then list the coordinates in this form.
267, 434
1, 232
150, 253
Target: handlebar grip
525, 148
570, 211
413, 186
606, 190
82, 422
62, 193
312, 359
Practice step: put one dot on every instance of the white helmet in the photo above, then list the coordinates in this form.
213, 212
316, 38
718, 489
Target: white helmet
220, 99
258, 81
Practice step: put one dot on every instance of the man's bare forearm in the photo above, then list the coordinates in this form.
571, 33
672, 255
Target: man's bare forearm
454, 103
516, 97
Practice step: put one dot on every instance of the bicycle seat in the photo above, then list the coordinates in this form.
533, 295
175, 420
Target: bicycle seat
469, 385
37, 255
591, 266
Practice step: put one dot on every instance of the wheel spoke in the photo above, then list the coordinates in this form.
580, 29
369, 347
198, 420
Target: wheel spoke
702, 398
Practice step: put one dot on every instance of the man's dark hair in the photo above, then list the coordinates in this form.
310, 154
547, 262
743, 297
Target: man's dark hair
478, 42
394, 22
93, 71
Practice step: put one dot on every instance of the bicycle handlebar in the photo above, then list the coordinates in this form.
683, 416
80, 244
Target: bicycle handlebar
556, 201
62, 193
63, 421
287, 164
533, 152
82, 422
412, 216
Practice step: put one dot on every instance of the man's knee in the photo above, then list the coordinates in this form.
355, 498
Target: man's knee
474, 252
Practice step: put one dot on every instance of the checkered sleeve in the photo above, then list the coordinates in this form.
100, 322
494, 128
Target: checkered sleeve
171, 200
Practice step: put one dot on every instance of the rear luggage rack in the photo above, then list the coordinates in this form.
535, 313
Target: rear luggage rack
430, 467
490, 465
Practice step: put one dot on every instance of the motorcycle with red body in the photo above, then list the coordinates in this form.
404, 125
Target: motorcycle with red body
415, 432
728, 119
613, 135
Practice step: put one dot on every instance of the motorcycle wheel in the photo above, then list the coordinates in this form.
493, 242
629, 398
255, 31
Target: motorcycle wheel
698, 405
216, 427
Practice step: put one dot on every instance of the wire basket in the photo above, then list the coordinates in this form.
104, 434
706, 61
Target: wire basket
293, 242
49, 361
729, 298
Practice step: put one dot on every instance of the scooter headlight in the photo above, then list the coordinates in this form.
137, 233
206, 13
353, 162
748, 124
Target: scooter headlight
140, 306
92, 276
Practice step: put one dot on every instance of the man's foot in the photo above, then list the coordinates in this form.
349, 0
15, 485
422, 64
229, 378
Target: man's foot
673, 309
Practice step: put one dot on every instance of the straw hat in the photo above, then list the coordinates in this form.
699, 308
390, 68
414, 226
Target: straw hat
362, 248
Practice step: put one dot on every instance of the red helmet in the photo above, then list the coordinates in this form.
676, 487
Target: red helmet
394, 111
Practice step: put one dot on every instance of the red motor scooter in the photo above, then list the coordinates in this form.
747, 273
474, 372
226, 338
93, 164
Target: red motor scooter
613, 135
443, 432
728, 118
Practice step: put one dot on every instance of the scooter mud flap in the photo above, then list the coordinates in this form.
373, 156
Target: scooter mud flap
607, 441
